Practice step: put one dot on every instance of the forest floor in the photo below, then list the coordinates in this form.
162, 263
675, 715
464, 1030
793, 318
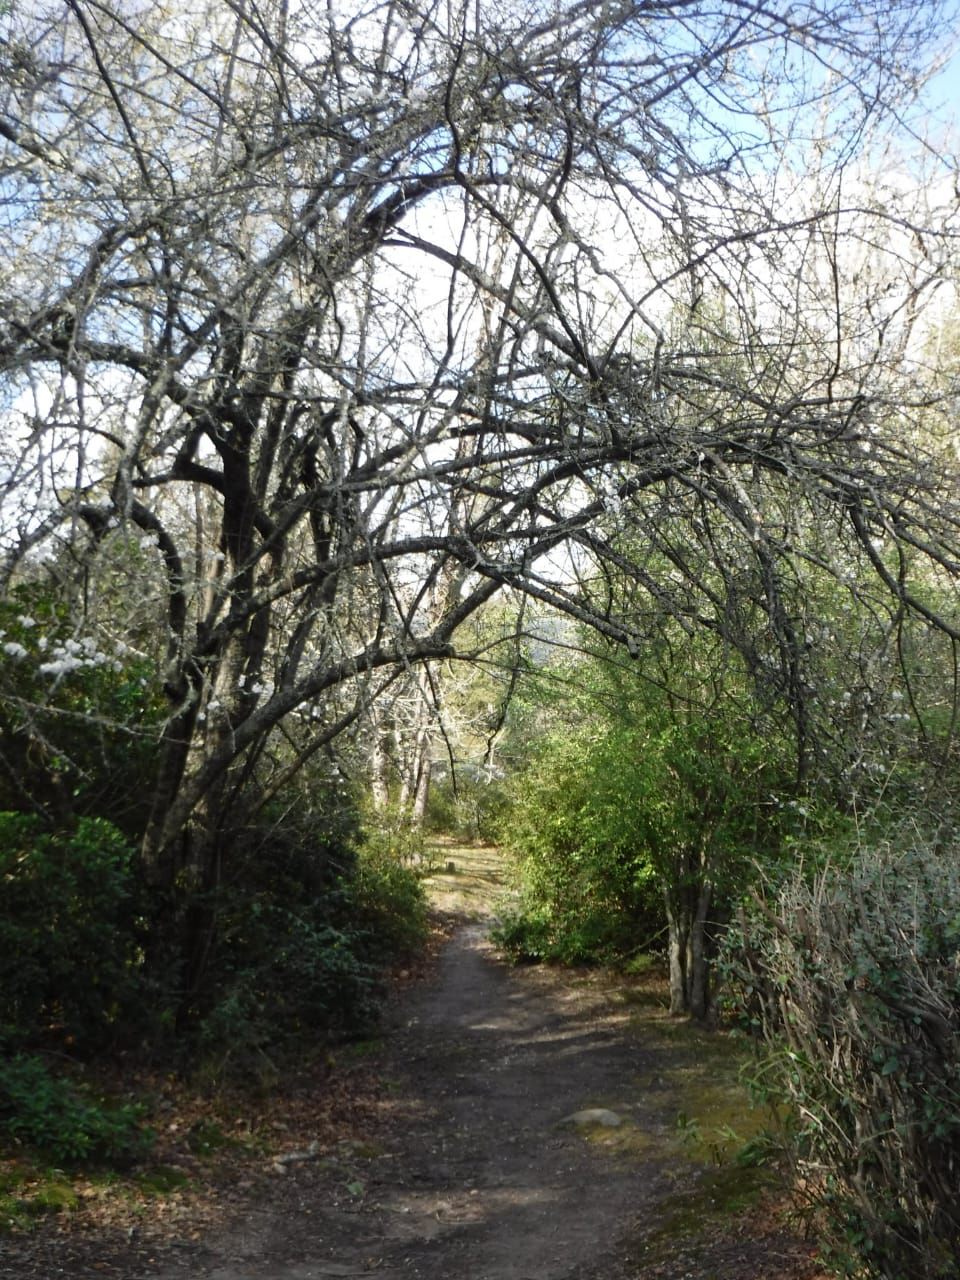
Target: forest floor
455, 1145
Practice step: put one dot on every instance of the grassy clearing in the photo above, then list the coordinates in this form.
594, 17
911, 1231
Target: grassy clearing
467, 880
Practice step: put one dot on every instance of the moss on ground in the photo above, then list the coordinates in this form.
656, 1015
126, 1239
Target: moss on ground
28, 1194
723, 1149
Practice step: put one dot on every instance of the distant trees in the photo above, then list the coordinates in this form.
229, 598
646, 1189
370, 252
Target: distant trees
354, 319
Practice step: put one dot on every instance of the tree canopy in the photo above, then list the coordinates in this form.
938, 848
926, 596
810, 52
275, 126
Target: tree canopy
354, 318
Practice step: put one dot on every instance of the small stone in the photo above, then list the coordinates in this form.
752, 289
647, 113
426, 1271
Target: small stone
594, 1116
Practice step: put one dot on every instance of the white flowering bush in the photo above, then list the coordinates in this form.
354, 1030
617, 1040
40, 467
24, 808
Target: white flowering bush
79, 715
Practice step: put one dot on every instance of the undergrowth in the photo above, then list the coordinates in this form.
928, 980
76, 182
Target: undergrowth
64, 1123
853, 980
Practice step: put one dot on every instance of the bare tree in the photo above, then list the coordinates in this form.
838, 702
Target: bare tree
386, 295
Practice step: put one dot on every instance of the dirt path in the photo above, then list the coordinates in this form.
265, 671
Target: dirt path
482, 1177
478, 1171
500, 1060
471, 1167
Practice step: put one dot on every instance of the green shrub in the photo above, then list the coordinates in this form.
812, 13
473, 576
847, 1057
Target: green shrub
284, 962
390, 840
577, 835
303, 927
470, 812
296, 979
527, 935
853, 978
80, 716
52, 1117
68, 955
390, 905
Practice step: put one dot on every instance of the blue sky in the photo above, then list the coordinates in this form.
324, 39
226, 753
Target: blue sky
943, 91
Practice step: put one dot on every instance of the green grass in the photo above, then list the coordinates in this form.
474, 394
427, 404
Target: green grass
465, 879
28, 1194
161, 1181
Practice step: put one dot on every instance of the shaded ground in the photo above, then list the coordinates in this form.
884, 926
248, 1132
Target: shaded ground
452, 1154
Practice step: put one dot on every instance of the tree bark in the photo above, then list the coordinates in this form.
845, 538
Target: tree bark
676, 950
380, 770
699, 991
422, 794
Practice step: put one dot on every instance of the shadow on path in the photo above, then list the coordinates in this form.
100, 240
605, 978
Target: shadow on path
482, 1176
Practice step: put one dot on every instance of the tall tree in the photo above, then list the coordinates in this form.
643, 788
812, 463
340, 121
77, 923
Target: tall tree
382, 294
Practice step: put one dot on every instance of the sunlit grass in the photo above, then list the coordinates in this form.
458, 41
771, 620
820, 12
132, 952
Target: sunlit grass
466, 879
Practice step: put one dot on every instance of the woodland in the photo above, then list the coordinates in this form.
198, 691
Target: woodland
534, 423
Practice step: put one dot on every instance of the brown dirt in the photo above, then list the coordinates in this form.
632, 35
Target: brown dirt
446, 1154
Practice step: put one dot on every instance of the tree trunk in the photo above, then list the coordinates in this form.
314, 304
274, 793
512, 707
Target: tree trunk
187, 869
415, 788
159, 860
687, 908
699, 994
676, 945
422, 794
379, 766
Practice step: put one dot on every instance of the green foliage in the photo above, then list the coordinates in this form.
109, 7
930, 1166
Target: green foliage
388, 902
579, 835
51, 1116
273, 933
391, 839
310, 914
528, 933
79, 716
852, 976
296, 977
161, 1180
68, 945
285, 961
470, 811
283, 948
638, 795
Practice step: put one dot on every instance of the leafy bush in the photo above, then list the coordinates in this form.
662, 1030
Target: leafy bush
389, 903
577, 837
51, 1116
79, 716
530, 934
646, 817
296, 978
283, 959
309, 915
853, 978
472, 810
67, 929
391, 839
